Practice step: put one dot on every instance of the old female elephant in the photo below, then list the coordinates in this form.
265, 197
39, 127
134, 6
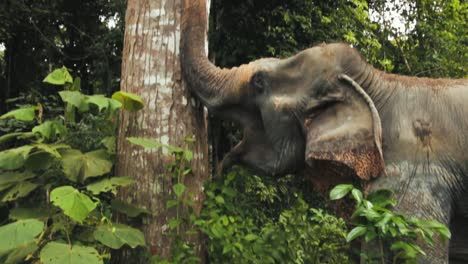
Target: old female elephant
327, 105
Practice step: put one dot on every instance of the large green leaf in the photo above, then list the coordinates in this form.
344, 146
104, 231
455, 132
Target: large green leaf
131, 102
50, 129
109, 185
20, 190
20, 253
62, 253
356, 232
340, 191
18, 234
12, 159
23, 114
59, 77
9, 177
78, 166
128, 209
117, 235
103, 102
75, 98
28, 212
73, 203
147, 143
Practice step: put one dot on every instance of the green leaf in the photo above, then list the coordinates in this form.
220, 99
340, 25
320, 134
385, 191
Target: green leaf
73, 203
131, 102
179, 189
62, 253
23, 114
50, 129
109, 185
109, 143
75, 99
171, 203
128, 209
340, 191
99, 100
14, 177
59, 76
19, 233
145, 142
357, 195
12, 159
117, 235
28, 212
356, 232
382, 198
78, 166
20, 190
20, 253
250, 237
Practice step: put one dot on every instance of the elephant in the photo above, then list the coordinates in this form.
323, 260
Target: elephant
327, 107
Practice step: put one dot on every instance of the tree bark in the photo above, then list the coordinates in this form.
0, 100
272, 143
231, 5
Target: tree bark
151, 69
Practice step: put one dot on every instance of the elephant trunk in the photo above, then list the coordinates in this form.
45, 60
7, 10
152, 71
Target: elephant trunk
215, 87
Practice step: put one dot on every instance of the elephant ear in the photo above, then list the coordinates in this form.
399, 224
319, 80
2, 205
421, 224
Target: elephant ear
348, 132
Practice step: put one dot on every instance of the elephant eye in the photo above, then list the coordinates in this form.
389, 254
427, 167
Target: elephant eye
258, 82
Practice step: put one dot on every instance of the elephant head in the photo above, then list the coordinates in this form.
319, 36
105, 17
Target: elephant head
293, 111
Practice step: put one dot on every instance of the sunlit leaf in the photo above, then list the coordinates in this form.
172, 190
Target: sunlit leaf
50, 129
20, 253
75, 99
78, 166
19, 233
117, 235
356, 232
179, 189
131, 102
73, 203
23, 114
109, 185
59, 76
340, 191
12, 159
63, 253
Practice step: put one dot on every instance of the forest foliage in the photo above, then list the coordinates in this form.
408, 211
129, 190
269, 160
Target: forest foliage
57, 144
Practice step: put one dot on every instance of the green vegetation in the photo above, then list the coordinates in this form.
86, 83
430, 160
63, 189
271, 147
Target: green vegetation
58, 194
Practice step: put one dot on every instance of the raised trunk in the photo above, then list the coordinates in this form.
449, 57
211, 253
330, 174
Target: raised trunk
151, 69
214, 86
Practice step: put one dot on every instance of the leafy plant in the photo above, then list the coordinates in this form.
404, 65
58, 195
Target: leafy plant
375, 221
59, 191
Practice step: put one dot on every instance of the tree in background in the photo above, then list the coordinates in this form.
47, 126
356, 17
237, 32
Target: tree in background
151, 69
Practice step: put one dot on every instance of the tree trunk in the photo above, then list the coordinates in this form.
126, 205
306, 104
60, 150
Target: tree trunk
151, 69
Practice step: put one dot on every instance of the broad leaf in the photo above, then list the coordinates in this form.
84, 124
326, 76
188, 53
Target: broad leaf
12, 159
62, 253
356, 232
109, 185
147, 143
14, 177
103, 102
19, 233
50, 129
131, 102
128, 209
340, 191
78, 166
75, 98
20, 253
178, 189
73, 203
20, 190
23, 114
117, 235
29, 212
59, 77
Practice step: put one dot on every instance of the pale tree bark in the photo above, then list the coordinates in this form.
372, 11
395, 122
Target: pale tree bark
151, 69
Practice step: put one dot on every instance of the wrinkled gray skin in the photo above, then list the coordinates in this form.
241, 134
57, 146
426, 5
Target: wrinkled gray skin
326, 103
